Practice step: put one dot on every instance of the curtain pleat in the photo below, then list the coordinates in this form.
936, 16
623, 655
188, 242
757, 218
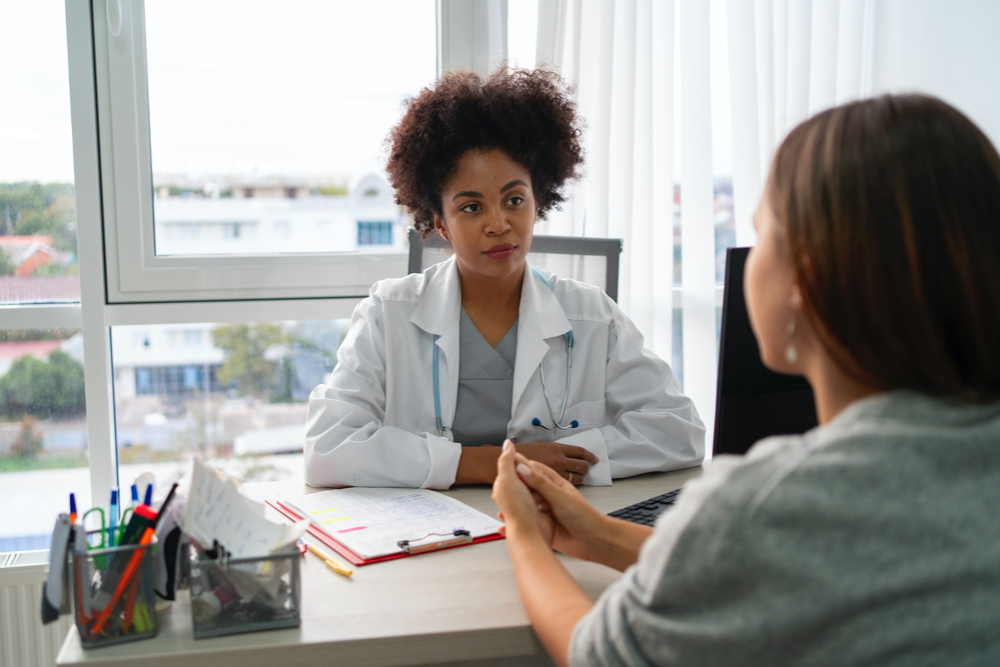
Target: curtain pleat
660, 337
697, 211
743, 98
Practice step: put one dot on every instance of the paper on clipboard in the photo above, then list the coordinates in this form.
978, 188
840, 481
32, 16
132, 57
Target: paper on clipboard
371, 521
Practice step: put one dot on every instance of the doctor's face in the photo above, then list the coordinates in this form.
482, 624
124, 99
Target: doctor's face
489, 214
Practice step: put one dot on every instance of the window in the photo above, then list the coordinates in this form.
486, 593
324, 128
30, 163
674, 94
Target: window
239, 399
43, 432
38, 261
253, 116
374, 233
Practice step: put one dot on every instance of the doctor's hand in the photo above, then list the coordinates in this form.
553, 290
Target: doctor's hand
568, 461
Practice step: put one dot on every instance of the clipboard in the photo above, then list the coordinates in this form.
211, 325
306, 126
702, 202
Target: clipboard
354, 559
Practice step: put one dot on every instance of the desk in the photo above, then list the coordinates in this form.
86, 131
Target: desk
459, 606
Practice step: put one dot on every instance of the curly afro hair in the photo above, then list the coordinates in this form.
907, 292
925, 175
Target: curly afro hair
528, 114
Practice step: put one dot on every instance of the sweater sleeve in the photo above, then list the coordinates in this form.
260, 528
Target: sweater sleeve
690, 597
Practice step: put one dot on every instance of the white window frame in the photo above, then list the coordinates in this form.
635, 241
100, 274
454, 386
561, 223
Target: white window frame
134, 272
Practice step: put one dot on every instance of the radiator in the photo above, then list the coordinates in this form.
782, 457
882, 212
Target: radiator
24, 641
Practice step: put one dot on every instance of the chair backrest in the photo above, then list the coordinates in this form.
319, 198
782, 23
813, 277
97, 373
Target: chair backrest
589, 260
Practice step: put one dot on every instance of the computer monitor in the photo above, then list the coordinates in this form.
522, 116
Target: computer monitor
752, 402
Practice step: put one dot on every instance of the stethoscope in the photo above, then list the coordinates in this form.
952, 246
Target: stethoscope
445, 432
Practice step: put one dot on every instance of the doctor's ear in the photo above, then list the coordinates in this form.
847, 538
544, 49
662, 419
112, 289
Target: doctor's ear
440, 228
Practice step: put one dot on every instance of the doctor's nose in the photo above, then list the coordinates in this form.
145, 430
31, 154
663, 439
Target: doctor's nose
497, 223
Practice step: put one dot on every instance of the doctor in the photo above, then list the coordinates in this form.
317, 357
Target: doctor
439, 368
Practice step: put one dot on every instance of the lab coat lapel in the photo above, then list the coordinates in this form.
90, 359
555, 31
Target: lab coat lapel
438, 314
541, 317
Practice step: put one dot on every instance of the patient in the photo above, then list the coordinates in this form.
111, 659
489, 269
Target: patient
874, 538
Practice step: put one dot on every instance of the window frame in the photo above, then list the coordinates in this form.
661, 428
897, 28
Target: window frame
110, 165
135, 274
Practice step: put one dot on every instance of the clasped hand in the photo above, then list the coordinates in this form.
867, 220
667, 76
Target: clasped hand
535, 500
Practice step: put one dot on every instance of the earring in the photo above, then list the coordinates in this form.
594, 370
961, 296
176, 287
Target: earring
791, 352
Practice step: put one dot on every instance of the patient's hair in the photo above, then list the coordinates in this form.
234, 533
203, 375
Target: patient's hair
528, 114
890, 209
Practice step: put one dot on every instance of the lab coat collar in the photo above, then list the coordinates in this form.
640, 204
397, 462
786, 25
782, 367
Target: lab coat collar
440, 304
541, 316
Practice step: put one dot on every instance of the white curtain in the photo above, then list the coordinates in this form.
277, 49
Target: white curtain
787, 59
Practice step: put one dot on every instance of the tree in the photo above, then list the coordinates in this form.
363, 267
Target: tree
43, 389
29, 442
244, 345
6, 264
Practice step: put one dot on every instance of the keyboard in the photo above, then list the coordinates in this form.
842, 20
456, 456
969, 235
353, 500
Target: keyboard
645, 512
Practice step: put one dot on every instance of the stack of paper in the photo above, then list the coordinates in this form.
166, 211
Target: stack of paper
217, 511
371, 521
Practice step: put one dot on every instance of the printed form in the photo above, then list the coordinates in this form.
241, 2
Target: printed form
371, 521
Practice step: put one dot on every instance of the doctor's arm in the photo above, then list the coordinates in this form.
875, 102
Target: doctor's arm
651, 425
347, 443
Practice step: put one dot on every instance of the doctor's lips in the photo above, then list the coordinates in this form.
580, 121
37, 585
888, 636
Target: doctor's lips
501, 251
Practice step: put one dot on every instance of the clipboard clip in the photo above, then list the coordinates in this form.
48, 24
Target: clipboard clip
458, 537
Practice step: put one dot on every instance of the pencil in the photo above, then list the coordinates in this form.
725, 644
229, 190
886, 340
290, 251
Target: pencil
340, 568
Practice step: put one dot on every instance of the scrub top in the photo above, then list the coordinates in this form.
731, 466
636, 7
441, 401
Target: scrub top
485, 386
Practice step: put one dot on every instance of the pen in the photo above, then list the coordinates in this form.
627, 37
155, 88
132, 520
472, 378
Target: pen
149, 496
332, 563
72, 508
130, 569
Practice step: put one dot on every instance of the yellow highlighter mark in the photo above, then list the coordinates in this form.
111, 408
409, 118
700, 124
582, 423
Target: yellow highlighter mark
339, 518
332, 509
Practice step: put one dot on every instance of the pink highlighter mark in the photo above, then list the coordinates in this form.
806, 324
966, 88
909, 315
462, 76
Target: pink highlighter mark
348, 530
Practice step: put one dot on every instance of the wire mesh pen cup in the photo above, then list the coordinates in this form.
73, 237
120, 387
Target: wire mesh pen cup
113, 594
235, 595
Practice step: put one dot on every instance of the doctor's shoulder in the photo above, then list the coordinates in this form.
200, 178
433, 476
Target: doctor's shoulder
581, 301
406, 291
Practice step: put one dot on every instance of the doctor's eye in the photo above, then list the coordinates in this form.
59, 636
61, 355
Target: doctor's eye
515, 200
471, 207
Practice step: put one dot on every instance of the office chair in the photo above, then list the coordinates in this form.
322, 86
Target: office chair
589, 260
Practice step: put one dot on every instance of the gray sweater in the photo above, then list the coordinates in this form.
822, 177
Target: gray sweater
872, 540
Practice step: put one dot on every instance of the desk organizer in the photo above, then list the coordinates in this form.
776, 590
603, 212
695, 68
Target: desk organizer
234, 595
113, 594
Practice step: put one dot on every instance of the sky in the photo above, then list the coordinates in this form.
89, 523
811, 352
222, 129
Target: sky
306, 88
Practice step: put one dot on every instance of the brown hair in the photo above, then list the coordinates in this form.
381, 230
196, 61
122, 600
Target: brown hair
528, 114
890, 209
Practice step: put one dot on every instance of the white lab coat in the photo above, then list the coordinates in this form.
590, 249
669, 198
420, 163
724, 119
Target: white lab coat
373, 424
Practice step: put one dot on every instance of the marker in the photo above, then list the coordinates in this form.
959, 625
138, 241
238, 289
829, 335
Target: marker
149, 496
113, 518
72, 508
135, 495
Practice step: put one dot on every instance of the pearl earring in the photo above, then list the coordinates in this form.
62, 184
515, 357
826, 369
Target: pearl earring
791, 352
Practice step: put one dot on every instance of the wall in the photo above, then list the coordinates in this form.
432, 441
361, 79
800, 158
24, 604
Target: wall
947, 48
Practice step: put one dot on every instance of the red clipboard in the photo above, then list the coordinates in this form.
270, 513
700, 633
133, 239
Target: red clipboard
352, 557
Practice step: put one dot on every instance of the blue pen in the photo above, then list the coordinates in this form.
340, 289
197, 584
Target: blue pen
135, 495
113, 517
149, 495
72, 508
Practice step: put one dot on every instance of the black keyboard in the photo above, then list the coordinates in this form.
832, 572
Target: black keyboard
645, 512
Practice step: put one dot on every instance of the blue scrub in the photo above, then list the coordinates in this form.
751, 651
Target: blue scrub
485, 386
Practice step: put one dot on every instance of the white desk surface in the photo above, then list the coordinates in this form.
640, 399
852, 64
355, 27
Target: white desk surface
459, 606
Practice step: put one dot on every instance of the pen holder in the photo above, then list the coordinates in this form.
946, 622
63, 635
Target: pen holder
234, 595
113, 594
